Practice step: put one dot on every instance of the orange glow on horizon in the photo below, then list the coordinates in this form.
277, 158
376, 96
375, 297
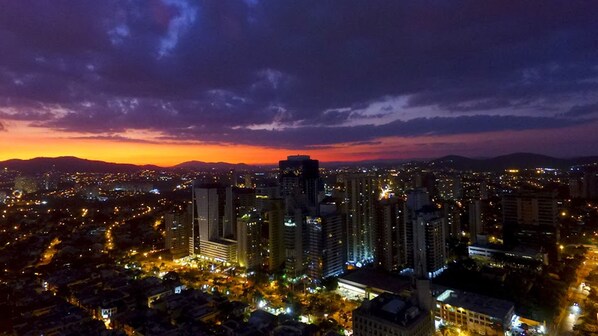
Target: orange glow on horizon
21, 141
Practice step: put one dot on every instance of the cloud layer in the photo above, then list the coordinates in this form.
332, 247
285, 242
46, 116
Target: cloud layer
298, 74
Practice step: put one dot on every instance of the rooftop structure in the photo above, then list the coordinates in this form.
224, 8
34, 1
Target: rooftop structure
474, 312
369, 283
388, 314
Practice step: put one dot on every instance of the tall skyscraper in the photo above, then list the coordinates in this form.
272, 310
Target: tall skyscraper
429, 245
299, 175
208, 228
417, 199
389, 238
476, 226
208, 200
294, 241
325, 248
361, 193
425, 243
300, 186
274, 219
451, 214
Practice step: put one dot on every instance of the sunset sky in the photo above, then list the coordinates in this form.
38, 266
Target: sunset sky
167, 81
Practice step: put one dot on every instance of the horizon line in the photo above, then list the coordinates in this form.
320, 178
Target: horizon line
276, 162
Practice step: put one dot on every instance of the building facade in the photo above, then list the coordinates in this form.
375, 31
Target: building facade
390, 243
300, 175
475, 313
249, 241
177, 227
361, 193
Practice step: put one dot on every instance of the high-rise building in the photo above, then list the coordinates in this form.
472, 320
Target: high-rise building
424, 180
274, 219
294, 242
590, 184
238, 201
575, 187
232, 178
451, 214
389, 248
476, 226
531, 218
314, 247
361, 193
449, 188
484, 190
207, 229
531, 208
417, 199
429, 245
247, 181
209, 211
249, 240
325, 248
299, 175
425, 239
177, 226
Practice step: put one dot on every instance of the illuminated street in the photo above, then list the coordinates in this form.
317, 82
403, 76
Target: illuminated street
577, 294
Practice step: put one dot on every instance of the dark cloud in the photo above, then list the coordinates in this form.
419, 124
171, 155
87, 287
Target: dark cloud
208, 70
581, 110
2, 128
117, 138
311, 137
24, 114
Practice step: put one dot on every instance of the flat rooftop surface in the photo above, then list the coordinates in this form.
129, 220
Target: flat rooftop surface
377, 279
477, 303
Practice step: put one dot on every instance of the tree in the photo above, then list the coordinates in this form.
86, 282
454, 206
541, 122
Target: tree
330, 283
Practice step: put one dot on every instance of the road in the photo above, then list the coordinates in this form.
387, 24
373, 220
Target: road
576, 295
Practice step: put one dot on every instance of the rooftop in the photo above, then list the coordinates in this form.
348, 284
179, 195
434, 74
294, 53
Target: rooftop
477, 303
377, 280
392, 308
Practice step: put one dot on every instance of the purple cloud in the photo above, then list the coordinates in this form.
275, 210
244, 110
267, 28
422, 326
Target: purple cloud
581, 110
314, 136
218, 71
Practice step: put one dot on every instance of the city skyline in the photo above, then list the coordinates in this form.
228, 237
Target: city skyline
163, 82
496, 247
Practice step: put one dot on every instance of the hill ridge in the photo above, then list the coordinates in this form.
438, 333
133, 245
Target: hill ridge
71, 164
